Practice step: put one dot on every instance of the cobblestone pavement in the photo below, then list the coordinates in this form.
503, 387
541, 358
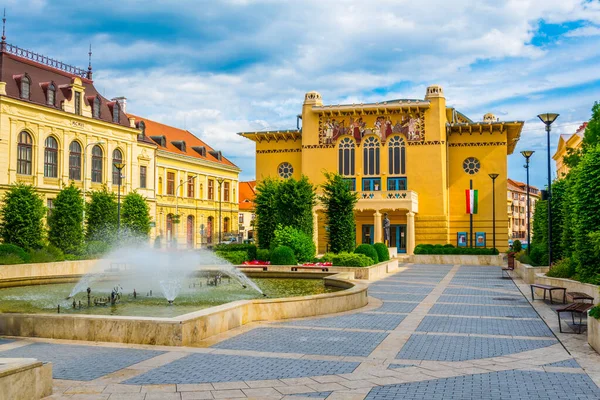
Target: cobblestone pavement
431, 332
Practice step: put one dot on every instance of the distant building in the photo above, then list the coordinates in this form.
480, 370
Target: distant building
566, 141
247, 191
517, 208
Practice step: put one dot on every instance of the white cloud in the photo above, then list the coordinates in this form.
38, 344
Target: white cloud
584, 31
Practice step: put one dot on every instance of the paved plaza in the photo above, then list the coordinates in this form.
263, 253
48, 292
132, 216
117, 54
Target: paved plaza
429, 332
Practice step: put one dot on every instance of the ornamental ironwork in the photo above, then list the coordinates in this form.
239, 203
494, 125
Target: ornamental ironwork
42, 59
471, 165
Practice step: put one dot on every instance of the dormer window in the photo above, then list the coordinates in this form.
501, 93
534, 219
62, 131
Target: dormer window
78, 103
200, 150
25, 87
142, 128
216, 154
160, 140
96, 107
51, 95
180, 144
115, 112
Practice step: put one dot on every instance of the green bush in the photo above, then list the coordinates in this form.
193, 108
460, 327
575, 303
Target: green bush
13, 250
525, 259
248, 248
262, 255
539, 254
327, 257
595, 312
338, 201
352, 260
22, 213
301, 243
283, 255
368, 250
382, 251
564, 268
46, 254
234, 257
445, 249
97, 248
9, 259
517, 246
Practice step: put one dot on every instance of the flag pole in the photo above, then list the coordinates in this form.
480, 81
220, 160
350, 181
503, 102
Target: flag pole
471, 218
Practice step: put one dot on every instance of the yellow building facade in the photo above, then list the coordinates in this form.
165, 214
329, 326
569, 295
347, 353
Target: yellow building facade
411, 159
566, 142
197, 188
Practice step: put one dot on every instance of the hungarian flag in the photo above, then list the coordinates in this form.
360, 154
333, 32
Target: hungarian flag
471, 201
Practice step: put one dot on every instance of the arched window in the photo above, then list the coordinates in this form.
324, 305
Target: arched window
115, 116
346, 157
51, 95
24, 154
97, 164
117, 159
25, 85
96, 107
75, 161
51, 158
371, 156
396, 155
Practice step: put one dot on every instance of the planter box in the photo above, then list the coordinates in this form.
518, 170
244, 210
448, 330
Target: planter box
527, 272
25, 378
572, 286
593, 333
457, 259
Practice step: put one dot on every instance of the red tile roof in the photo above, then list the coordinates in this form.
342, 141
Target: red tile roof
247, 192
173, 134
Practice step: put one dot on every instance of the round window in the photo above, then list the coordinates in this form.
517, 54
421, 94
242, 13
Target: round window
471, 165
285, 170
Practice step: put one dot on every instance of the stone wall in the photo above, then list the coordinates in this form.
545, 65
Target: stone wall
25, 378
457, 259
528, 272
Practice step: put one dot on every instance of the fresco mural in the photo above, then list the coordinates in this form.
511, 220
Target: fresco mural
332, 127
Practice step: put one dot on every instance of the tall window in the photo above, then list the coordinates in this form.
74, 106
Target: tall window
211, 189
25, 87
97, 156
78, 103
190, 187
396, 155
241, 218
225, 191
51, 158
346, 157
96, 107
117, 158
75, 161
115, 116
171, 183
371, 156
24, 154
143, 175
49, 206
51, 94
226, 225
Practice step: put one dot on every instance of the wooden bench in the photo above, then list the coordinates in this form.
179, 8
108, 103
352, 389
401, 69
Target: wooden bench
580, 296
574, 308
313, 267
548, 288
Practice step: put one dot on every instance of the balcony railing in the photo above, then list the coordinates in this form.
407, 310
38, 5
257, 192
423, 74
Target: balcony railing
388, 195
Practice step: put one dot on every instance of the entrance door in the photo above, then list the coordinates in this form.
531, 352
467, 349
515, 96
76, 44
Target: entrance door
398, 237
368, 234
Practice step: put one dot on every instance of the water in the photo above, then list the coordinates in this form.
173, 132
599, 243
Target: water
190, 298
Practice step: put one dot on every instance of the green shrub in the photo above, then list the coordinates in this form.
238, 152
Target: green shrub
564, 268
525, 259
46, 254
301, 243
517, 246
97, 248
283, 255
65, 221
595, 312
9, 259
445, 249
382, 252
11, 249
234, 257
22, 213
262, 255
539, 254
327, 257
368, 250
352, 260
248, 248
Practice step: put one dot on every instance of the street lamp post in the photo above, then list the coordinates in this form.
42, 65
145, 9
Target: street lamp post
220, 181
548, 119
493, 176
191, 178
119, 167
527, 154
85, 174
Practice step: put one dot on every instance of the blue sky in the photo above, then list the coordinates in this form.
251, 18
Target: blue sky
220, 67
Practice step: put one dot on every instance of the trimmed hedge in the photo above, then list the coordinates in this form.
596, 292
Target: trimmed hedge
301, 243
46, 254
351, 260
250, 249
327, 257
11, 249
382, 251
369, 251
234, 257
283, 255
262, 255
446, 249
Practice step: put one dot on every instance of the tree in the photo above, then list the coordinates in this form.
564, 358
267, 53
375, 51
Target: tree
22, 217
295, 201
266, 211
65, 220
101, 216
339, 202
591, 137
135, 216
539, 241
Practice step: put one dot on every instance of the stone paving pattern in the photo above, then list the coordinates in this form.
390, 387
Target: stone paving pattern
433, 332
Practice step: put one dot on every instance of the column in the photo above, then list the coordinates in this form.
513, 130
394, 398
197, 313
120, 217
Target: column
378, 230
316, 230
410, 233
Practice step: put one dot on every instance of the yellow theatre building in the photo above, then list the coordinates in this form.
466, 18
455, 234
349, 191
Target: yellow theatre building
411, 159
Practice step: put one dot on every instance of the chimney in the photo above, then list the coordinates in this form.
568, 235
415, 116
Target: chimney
122, 103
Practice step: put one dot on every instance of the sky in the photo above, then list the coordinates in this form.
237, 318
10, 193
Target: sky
221, 67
